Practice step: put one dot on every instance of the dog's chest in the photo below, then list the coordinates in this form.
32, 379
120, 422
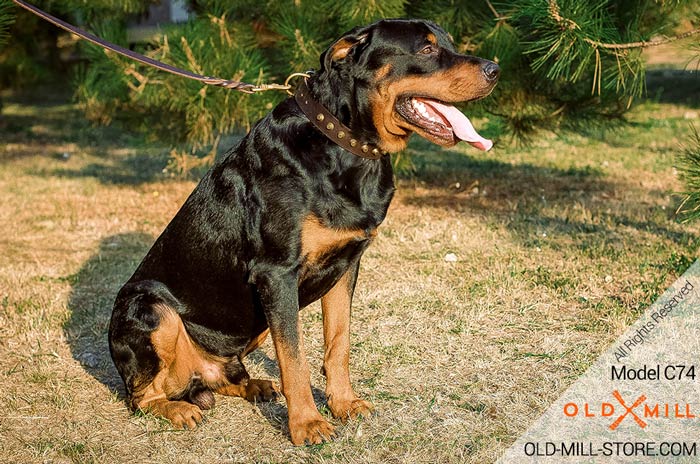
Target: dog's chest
326, 254
319, 240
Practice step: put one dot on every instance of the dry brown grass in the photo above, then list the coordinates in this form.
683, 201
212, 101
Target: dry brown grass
559, 246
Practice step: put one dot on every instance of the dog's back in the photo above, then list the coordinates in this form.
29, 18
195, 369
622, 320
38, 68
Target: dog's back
282, 221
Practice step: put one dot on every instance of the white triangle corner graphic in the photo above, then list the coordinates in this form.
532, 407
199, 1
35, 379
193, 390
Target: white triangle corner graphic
639, 402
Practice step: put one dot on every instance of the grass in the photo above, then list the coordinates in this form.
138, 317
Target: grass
559, 247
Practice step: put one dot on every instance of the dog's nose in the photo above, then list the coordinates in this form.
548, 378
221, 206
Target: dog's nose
491, 71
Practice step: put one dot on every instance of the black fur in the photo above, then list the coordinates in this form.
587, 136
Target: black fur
230, 261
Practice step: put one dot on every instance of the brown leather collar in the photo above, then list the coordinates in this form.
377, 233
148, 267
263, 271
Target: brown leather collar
332, 128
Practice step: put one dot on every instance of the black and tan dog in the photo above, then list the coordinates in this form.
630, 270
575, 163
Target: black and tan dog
282, 221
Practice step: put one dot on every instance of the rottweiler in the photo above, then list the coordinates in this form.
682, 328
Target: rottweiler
281, 221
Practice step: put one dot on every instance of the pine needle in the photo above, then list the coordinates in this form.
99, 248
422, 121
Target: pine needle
689, 169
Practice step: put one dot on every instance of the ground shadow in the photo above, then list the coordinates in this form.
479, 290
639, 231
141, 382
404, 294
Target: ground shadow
51, 119
679, 86
56, 130
95, 286
493, 185
143, 167
514, 194
124, 170
518, 195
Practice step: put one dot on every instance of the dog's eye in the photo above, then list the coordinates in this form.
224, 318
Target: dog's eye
428, 50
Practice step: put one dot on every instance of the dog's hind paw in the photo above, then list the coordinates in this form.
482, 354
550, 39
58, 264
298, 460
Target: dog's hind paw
181, 414
261, 390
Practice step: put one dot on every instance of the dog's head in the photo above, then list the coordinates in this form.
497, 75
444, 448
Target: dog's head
396, 77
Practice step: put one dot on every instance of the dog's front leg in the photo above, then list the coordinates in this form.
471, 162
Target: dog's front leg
279, 297
342, 400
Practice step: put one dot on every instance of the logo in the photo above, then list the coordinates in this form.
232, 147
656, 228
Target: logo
637, 411
628, 410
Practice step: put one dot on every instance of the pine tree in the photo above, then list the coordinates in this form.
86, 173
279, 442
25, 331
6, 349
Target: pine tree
31, 55
7, 17
239, 40
566, 64
689, 168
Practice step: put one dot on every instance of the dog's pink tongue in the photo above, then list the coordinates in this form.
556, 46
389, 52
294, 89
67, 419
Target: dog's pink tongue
461, 126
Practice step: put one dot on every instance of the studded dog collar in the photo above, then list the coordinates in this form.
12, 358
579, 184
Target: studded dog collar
332, 128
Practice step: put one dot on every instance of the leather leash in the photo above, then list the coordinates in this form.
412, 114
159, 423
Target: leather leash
319, 116
217, 81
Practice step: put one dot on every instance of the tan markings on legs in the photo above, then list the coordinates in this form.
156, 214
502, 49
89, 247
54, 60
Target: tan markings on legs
180, 360
251, 389
306, 425
342, 400
255, 343
182, 414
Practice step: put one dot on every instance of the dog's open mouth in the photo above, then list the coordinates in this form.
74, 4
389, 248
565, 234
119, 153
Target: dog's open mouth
443, 124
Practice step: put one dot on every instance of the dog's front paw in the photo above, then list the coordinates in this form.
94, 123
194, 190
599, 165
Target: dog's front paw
311, 432
349, 408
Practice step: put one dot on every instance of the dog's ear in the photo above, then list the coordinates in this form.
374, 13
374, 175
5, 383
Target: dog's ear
344, 48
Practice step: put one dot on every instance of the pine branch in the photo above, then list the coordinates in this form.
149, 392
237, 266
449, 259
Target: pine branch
495, 12
567, 64
689, 168
643, 44
7, 17
564, 23
568, 24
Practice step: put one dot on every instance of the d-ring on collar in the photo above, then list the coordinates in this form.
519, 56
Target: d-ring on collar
332, 128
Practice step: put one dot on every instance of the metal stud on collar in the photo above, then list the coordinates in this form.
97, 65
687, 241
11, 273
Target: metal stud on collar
331, 126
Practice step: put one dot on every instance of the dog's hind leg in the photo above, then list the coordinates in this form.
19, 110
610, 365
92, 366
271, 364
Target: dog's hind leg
240, 384
163, 372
